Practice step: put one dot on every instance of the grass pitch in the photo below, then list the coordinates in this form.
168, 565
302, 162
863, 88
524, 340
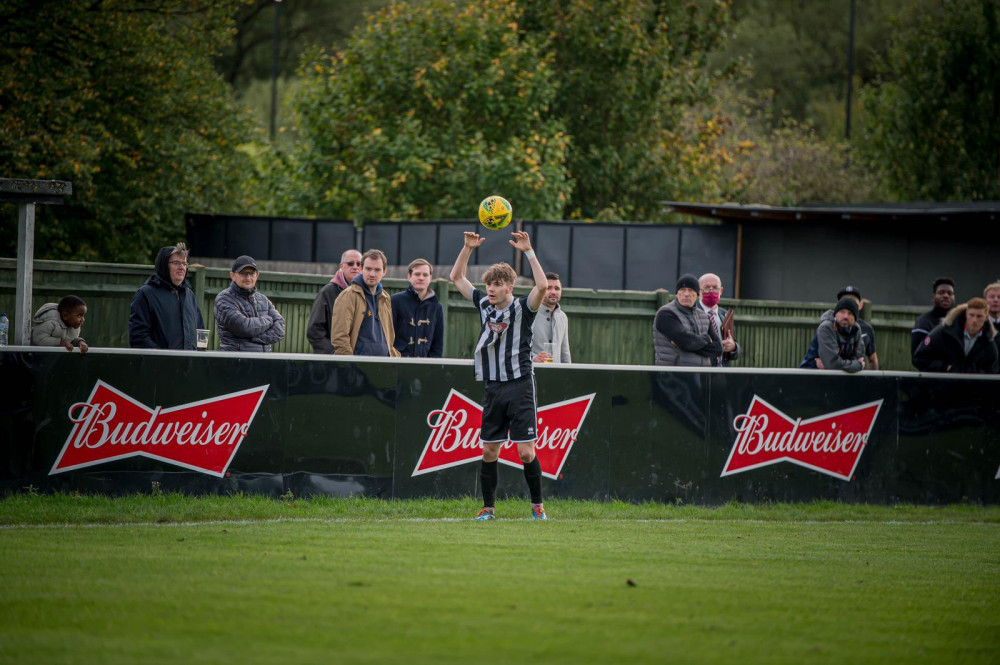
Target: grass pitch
247, 579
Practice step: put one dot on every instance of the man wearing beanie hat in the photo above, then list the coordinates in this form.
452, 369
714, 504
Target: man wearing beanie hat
840, 344
682, 333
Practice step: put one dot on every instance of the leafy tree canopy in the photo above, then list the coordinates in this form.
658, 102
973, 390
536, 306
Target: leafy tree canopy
429, 108
934, 127
569, 109
119, 97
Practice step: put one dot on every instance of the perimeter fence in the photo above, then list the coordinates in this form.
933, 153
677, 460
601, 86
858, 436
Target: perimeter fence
606, 327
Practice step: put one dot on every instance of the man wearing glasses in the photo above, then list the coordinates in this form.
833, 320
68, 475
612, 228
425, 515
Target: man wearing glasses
245, 317
320, 321
710, 286
164, 312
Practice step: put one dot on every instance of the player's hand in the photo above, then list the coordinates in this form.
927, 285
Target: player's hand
472, 240
520, 241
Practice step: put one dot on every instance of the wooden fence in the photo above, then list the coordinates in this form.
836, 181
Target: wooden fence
606, 327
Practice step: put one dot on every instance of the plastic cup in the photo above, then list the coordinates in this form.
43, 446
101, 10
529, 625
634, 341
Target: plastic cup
202, 339
550, 349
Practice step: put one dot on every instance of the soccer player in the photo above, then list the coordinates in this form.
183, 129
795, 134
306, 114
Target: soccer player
503, 360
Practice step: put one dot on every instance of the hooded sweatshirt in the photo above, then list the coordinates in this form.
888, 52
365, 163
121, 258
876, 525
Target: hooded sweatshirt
834, 348
49, 329
164, 316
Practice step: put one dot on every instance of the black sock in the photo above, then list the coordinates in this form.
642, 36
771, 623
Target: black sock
488, 476
533, 474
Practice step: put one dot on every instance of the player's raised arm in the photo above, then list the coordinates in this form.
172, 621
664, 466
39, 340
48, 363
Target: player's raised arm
523, 243
458, 278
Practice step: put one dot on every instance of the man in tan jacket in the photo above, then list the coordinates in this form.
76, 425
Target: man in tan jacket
362, 314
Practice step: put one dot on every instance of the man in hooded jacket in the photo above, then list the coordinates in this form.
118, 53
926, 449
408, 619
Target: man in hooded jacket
840, 343
164, 311
963, 343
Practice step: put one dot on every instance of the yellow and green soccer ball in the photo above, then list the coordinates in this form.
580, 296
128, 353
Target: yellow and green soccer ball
495, 212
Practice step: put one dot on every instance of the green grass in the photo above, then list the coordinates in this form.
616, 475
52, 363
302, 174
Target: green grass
167, 578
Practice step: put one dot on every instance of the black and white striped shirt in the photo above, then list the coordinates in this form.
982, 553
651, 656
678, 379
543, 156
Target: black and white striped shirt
503, 352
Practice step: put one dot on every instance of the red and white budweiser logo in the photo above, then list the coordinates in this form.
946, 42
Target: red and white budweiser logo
831, 443
454, 437
201, 436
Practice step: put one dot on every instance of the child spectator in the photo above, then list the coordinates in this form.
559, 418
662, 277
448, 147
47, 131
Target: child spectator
59, 325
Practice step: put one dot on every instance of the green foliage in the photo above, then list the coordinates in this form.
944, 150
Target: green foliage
626, 71
935, 116
572, 109
119, 98
429, 108
786, 165
799, 52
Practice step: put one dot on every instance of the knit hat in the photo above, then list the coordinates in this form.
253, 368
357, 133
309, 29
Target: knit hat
848, 303
687, 282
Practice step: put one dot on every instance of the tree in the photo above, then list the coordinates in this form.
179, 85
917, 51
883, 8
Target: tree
628, 71
429, 108
120, 98
565, 108
798, 52
934, 126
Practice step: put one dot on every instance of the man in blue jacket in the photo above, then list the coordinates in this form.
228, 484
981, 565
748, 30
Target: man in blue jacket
418, 317
164, 312
246, 319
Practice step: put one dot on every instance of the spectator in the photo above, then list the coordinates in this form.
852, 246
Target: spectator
59, 324
963, 343
417, 316
682, 332
164, 312
711, 292
992, 296
840, 344
318, 330
868, 333
246, 319
551, 326
362, 316
944, 300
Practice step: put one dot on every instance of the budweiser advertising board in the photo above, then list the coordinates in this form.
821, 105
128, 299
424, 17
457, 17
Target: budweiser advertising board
454, 435
201, 436
830, 444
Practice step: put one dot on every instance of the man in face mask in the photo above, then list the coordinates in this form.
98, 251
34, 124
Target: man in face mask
840, 344
711, 293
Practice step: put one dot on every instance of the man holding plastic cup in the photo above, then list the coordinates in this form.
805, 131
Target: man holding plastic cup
550, 330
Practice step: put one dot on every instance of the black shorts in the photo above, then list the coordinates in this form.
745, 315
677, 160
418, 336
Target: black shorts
509, 411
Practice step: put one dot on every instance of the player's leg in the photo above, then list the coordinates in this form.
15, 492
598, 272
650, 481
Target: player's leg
523, 432
493, 434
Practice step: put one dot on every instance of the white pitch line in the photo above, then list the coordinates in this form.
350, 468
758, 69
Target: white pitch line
575, 520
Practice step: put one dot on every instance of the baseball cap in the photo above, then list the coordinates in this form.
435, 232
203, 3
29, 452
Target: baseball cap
244, 261
849, 291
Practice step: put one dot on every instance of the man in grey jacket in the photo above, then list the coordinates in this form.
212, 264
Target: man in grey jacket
551, 326
840, 343
246, 319
682, 332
